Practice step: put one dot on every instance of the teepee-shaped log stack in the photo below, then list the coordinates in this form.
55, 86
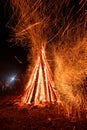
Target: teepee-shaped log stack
40, 88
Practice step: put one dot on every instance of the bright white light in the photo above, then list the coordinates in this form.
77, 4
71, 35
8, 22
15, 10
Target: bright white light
12, 79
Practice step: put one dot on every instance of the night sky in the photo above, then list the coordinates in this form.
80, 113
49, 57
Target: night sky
8, 50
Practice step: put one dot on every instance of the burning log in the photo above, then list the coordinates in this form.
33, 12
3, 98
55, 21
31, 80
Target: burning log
40, 88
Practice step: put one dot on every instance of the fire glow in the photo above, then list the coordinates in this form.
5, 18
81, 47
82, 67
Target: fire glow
63, 25
40, 86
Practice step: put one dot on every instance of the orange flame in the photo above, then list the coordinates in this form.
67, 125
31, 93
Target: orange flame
40, 87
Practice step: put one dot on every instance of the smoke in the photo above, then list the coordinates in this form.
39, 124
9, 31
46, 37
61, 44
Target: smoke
70, 57
71, 71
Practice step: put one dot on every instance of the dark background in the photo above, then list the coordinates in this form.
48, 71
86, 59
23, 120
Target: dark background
9, 65
12, 115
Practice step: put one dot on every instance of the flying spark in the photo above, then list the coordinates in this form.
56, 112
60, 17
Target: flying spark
56, 29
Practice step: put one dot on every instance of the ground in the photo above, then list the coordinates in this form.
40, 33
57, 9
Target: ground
28, 117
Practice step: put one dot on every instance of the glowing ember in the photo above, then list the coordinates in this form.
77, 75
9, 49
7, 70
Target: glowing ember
40, 87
